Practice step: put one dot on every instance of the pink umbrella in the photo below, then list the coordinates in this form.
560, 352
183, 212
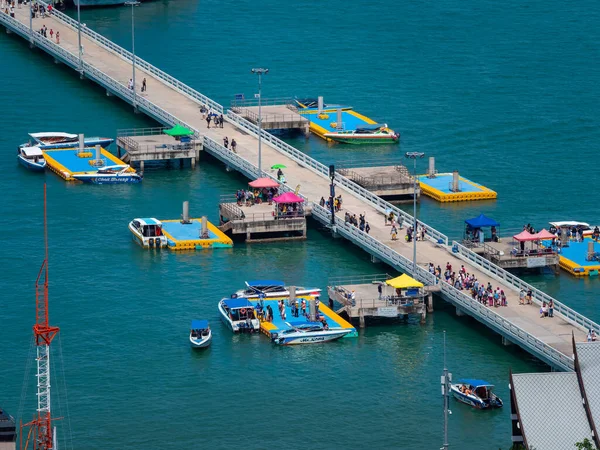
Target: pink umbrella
263, 183
288, 197
544, 234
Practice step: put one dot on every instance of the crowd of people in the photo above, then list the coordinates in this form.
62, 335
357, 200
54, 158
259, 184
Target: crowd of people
226, 144
361, 223
256, 196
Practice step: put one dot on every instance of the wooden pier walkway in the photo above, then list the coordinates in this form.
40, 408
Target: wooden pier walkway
170, 102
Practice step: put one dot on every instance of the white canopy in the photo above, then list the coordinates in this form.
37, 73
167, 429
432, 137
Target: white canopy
32, 152
49, 134
569, 223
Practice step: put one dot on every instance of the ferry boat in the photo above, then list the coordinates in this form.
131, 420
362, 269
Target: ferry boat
270, 289
476, 393
307, 333
32, 158
366, 134
58, 139
238, 314
200, 334
119, 174
148, 232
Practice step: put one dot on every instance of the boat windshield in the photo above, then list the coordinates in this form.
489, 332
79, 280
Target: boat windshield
151, 230
241, 314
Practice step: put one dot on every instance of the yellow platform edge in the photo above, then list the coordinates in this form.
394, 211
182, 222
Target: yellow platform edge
67, 174
192, 244
570, 266
443, 197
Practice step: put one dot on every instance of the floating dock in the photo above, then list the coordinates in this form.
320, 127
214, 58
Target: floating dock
334, 320
444, 187
186, 236
326, 121
574, 260
68, 162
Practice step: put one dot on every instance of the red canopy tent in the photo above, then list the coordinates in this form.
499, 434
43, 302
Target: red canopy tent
544, 234
288, 197
263, 183
524, 236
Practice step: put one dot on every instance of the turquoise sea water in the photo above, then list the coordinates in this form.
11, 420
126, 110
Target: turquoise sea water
505, 93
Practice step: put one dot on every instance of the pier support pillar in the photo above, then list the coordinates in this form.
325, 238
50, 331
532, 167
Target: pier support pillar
375, 259
248, 236
119, 152
56, 61
181, 163
108, 94
141, 166
423, 316
361, 318
459, 312
8, 31
505, 341
193, 162
81, 75
430, 303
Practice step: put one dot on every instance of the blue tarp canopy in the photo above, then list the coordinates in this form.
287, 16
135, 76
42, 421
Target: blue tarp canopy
482, 221
475, 382
233, 303
261, 283
199, 324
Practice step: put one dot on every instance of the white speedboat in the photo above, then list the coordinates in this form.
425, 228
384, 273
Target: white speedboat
269, 289
118, 174
238, 314
476, 393
570, 225
32, 158
148, 232
58, 139
200, 334
307, 333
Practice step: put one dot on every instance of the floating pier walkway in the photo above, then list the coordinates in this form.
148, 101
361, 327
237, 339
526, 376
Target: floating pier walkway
71, 161
171, 102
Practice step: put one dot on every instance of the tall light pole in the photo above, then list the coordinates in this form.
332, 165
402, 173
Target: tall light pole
260, 72
79, 37
414, 156
446, 379
31, 23
133, 4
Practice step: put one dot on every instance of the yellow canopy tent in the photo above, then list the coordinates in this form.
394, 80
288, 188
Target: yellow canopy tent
404, 282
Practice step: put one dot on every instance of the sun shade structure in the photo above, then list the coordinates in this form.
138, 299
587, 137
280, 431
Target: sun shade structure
525, 236
482, 221
404, 282
263, 183
288, 197
544, 234
278, 166
178, 131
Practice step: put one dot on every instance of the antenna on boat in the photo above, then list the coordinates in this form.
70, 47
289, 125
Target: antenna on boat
446, 379
41, 430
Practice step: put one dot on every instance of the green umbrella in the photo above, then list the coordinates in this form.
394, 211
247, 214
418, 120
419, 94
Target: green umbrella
278, 166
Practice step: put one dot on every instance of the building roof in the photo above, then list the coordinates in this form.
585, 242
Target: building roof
550, 410
588, 355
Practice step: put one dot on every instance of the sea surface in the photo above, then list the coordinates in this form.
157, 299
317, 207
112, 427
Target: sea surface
506, 93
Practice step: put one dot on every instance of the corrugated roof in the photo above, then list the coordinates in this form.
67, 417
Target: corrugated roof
588, 354
551, 410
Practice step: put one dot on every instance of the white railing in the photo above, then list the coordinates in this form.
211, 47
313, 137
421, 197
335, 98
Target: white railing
142, 64
323, 171
500, 274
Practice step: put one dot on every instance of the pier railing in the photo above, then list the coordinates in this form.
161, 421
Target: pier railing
150, 131
538, 297
359, 279
139, 62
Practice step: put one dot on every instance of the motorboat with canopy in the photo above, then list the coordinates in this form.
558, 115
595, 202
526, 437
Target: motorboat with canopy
308, 333
200, 334
148, 232
366, 134
271, 289
238, 314
476, 393
119, 174
59, 139
32, 158
573, 227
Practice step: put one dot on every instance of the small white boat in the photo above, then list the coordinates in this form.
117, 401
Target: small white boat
200, 334
118, 174
238, 314
307, 333
366, 134
148, 232
32, 158
476, 393
270, 289
59, 139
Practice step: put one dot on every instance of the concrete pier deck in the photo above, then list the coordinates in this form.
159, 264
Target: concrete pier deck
275, 117
393, 183
171, 102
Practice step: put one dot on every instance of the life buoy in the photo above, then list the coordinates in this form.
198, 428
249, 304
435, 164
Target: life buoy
243, 310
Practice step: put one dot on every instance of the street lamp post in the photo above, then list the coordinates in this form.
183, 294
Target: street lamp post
79, 37
414, 156
133, 4
31, 23
260, 72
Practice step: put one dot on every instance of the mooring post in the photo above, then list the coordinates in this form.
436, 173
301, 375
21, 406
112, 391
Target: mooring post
361, 318
292, 298
430, 303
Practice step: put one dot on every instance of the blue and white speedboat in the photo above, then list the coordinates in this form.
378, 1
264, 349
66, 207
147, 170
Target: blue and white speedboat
238, 314
269, 289
58, 139
148, 232
307, 333
200, 334
110, 175
476, 393
32, 158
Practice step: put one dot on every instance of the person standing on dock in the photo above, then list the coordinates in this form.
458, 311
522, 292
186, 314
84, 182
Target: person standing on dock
208, 120
380, 290
58, 37
221, 120
233, 145
144, 85
225, 142
367, 228
51, 33
394, 233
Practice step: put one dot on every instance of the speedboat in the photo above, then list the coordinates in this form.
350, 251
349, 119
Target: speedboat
366, 134
312, 104
270, 289
148, 232
307, 333
32, 158
238, 314
476, 393
570, 225
110, 175
59, 139
200, 334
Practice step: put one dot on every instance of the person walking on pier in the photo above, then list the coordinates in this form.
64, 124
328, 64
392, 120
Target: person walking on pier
208, 121
221, 120
225, 142
58, 37
367, 228
144, 85
394, 233
51, 33
233, 145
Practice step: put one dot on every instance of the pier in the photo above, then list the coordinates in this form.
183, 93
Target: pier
393, 183
275, 114
171, 102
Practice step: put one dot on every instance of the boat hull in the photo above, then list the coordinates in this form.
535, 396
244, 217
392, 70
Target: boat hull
201, 343
360, 140
32, 165
148, 242
306, 338
88, 142
108, 179
473, 401
234, 327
